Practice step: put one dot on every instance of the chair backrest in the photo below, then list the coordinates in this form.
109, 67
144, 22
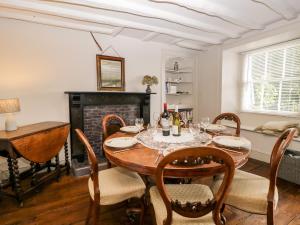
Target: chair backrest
111, 123
196, 162
277, 153
232, 117
93, 163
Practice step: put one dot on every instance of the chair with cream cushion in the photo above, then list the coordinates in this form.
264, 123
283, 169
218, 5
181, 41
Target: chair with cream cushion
111, 123
110, 186
256, 194
191, 204
232, 117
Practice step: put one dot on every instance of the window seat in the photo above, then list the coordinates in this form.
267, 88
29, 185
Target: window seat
252, 129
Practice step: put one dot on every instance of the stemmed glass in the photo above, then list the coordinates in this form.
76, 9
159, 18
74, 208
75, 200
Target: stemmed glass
184, 119
156, 117
139, 123
205, 123
194, 129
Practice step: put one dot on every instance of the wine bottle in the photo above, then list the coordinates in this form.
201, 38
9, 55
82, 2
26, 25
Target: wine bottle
165, 121
176, 128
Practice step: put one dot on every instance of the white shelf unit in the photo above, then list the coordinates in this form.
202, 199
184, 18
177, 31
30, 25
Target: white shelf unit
179, 84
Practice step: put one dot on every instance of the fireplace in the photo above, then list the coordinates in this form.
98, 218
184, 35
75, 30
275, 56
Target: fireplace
86, 112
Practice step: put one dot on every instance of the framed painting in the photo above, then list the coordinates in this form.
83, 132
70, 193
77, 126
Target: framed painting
110, 73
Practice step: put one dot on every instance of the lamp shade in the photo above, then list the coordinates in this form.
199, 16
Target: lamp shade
9, 105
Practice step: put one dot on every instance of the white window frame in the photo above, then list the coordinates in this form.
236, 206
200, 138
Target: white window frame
245, 67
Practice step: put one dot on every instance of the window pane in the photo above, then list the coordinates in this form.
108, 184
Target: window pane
274, 80
292, 66
256, 95
275, 64
271, 94
290, 96
257, 66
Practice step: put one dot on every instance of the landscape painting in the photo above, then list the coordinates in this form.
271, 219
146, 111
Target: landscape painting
110, 73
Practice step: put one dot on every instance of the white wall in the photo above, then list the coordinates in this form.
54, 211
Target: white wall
209, 85
38, 63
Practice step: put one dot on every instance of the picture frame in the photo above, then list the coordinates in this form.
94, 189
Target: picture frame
110, 73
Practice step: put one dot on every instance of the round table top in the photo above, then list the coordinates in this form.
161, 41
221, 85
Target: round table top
143, 160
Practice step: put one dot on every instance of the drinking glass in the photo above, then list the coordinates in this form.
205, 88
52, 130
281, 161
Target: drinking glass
139, 123
156, 117
194, 129
205, 123
184, 119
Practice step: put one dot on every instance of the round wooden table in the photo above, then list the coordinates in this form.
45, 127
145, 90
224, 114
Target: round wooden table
142, 159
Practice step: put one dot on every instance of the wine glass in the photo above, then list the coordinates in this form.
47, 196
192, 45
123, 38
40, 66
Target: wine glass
156, 117
139, 123
194, 129
205, 123
184, 119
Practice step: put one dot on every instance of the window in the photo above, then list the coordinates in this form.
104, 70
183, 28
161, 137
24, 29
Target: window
272, 81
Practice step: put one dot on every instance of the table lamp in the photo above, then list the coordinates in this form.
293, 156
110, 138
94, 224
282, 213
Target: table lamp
9, 106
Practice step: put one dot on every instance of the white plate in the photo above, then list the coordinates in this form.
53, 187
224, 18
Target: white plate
121, 142
232, 142
130, 129
216, 127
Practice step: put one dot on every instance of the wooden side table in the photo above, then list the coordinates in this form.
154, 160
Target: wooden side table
38, 143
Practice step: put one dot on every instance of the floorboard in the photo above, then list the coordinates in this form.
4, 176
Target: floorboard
65, 203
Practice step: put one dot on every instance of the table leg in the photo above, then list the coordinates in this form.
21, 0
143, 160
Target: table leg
48, 163
33, 171
17, 188
57, 167
10, 169
67, 164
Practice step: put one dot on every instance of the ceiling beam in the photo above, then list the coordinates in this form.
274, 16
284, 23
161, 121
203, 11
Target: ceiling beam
217, 10
55, 22
41, 7
150, 36
281, 7
195, 47
139, 9
176, 40
117, 31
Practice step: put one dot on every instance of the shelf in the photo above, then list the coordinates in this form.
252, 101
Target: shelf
179, 82
179, 94
178, 71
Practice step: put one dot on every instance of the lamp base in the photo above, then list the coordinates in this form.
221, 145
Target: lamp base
10, 123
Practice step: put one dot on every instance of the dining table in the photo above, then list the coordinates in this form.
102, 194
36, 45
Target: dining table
144, 160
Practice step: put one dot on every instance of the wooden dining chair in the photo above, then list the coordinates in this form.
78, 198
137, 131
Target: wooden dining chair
232, 117
110, 186
184, 204
111, 124
256, 194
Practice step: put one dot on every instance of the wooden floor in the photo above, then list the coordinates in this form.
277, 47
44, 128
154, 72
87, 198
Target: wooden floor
66, 202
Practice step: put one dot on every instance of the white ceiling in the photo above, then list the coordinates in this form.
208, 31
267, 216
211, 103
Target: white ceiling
192, 24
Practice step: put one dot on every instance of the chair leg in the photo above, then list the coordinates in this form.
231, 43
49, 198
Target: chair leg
95, 212
270, 214
142, 214
88, 217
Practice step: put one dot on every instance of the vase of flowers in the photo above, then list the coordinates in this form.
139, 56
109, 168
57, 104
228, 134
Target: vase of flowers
149, 81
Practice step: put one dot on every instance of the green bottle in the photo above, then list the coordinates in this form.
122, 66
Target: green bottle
176, 128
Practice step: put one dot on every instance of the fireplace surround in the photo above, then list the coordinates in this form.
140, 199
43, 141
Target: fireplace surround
86, 111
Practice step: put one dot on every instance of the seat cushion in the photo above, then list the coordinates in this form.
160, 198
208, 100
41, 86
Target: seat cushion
248, 192
117, 184
183, 193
